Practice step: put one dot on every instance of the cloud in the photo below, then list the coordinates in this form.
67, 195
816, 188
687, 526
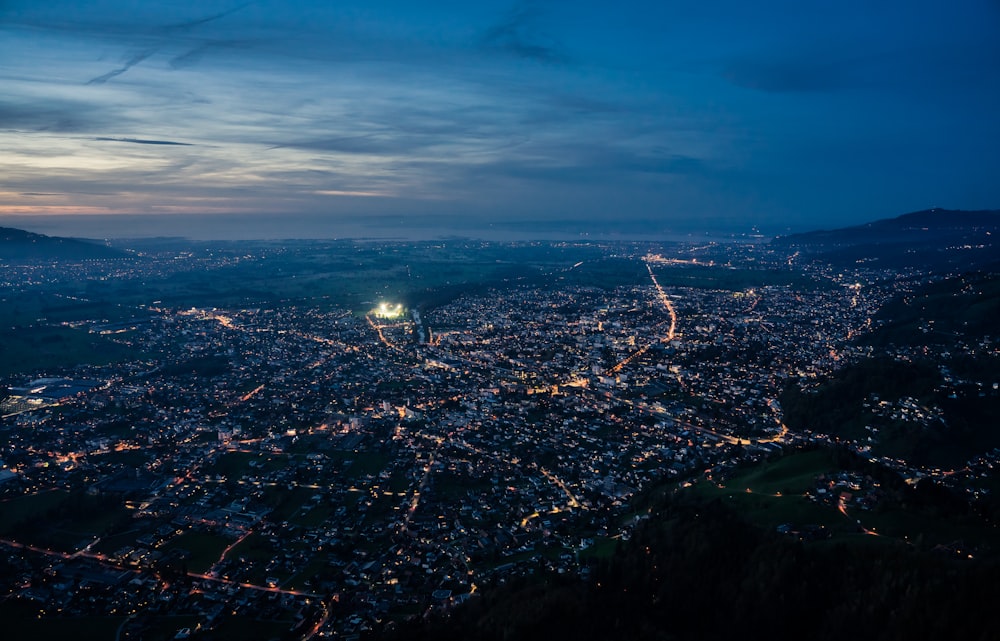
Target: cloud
574, 164
131, 62
346, 192
798, 73
189, 58
503, 106
140, 141
53, 115
518, 34
163, 36
183, 26
365, 145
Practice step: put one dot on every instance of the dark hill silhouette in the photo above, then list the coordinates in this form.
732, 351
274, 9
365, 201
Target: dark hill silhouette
933, 239
929, 225
17, 245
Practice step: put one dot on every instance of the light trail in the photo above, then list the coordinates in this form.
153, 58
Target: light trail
381, 335
671, 312
319, 624
660, 412
573, 502
628, 359
222, 557
780, 436
86, 550
535, 515
252, 586
246, 397
842, 508
322, 340
666, 303
415, 500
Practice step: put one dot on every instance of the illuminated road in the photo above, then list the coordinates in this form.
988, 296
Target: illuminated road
669, 306
842, 507
246, 397
415, 501
573, 502
252, 586
319, 624
104, 560
780, 436
381, 335
671, 335
671, 330
661, 413
222, 557
639, 352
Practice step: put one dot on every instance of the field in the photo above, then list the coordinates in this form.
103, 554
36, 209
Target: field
60, 520
15, 512
731, 279
204, 548
21, 621
773, 494
46, 348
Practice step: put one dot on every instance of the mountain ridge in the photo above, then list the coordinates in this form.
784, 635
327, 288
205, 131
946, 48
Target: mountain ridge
18, 244
923, 225
932, 239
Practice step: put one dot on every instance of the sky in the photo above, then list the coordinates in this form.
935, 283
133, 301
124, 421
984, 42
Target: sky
295, 118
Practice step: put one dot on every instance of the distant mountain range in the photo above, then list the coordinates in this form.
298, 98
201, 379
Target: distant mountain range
17, 245
920, 226
933, 238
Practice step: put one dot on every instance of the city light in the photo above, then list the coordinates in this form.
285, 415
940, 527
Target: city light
389, 310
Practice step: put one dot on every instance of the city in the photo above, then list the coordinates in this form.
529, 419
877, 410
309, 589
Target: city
307, 469
512, 320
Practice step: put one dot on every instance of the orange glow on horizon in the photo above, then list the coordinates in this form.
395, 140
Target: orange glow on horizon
51, 210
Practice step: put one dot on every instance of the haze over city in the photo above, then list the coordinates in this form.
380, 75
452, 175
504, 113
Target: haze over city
226, 119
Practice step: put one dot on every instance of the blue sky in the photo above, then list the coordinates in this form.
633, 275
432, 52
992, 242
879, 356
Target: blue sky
808, 114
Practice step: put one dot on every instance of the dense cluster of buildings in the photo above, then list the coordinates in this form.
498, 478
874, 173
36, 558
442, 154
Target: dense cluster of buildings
329, 471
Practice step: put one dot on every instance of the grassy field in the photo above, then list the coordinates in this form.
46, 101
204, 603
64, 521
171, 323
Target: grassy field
248, 629
46, 348
165, 628
349, 275
21, 621
235, 465
725, 278
364, 463
789, 475
52, 307
312, 517
205, 549
287, 504
16, 511
602, 548
71, 533
772, 494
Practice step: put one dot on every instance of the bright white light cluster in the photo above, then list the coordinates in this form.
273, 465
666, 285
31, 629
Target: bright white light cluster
387, 310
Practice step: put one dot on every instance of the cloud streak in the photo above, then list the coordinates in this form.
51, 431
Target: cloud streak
114, 73
140, 141
519, 34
